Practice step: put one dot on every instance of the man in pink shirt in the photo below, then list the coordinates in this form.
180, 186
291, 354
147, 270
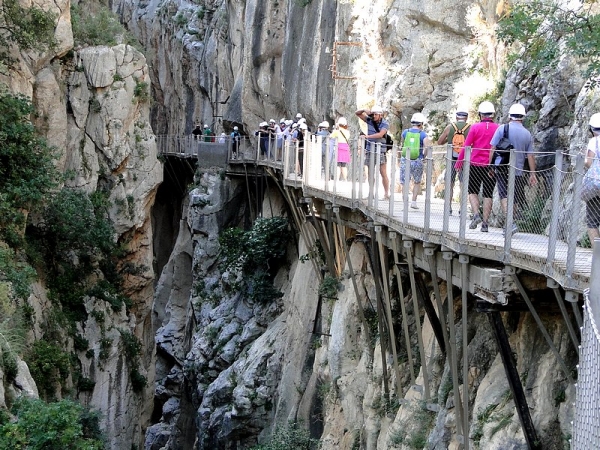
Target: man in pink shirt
478, 139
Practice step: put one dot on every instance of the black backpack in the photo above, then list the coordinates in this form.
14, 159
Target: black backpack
503, 148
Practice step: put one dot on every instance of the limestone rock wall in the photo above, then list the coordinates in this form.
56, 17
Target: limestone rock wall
93, 106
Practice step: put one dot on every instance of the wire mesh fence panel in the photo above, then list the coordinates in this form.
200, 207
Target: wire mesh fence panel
586, 426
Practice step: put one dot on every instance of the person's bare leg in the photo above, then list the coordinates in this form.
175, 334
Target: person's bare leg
474, 201
416, 191
344, 171
487, 208
384, 179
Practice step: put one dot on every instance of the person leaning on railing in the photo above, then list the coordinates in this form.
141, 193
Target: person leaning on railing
592, 214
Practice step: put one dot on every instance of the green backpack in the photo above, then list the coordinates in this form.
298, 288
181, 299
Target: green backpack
412, 144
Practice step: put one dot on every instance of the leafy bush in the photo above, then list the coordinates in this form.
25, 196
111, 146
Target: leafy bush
253, 254
49, 367
290, 436
329, 287
94, 24
542, 26
63, 425
26, 28
27, 171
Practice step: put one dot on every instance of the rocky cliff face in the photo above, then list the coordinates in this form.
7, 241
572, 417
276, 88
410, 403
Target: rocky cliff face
93, 106
227, 370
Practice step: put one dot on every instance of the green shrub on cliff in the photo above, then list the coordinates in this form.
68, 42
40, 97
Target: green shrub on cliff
63, 425
27, 171
546, 30
287, 437
94, 24
254, 254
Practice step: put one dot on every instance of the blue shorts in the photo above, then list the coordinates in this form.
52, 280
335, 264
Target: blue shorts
416, 169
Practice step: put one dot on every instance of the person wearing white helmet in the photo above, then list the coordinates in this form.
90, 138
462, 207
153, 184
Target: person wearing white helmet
342, 137
592, 211
455, 133
209, 136
236, 138
279, 131
323, 131
522, 144
414, 148
480, 176
377, 128
222, 138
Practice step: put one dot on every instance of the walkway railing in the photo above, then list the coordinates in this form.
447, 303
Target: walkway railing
551, 237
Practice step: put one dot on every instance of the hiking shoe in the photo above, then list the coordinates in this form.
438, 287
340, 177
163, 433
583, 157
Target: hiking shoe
413, 205
484, 227
476, 221
514, 230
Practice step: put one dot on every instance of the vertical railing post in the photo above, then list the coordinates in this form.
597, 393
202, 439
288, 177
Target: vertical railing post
361, 166
510, 208
428, 175
447, 191
335, 168
393, 163
286, 159
554, 219
376, 175
575, 212
464, 196
406, 185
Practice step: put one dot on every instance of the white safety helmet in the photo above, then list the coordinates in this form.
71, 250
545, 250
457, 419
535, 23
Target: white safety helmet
289, 122
263, 124
486, 108
516, 110
325, 124
235, 128
342, 122
298, 116
595, 121
417, 118
303, 126
302, 120
295, 125
272, 121
282, 120
223, 134
205, 126
377, 110
462, 111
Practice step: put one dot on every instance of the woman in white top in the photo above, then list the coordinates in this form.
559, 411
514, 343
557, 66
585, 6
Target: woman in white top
342, 134
592, 214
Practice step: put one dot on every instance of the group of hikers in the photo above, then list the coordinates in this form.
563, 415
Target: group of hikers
490, 143
489, 155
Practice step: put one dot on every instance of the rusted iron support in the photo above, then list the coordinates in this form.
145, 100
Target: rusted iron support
514, 381
434, 320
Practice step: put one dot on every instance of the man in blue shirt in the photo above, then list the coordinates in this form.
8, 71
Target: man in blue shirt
522, 143
377, 128
414, 140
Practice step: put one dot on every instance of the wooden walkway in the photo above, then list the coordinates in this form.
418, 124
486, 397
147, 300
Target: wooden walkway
561, 260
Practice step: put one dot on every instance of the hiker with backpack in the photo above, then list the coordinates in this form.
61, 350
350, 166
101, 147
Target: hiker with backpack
377, 128
481, 173
455, 133
520, 141
414, 142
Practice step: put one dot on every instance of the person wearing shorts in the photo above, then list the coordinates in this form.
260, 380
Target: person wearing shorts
377, 128
480, 174
416, 165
